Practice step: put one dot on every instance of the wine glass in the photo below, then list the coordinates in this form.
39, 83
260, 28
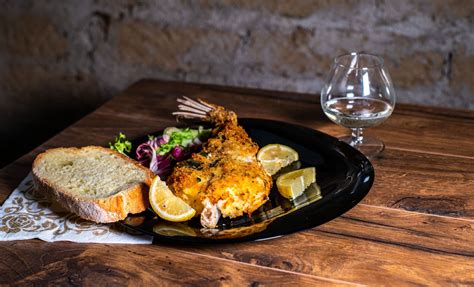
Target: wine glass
359, 94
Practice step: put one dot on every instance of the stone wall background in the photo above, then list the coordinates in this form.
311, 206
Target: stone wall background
61, 59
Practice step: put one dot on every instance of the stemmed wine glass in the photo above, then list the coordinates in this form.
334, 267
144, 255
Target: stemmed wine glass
359, 94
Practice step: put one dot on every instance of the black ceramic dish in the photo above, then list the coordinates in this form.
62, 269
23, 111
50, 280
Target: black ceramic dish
344, 177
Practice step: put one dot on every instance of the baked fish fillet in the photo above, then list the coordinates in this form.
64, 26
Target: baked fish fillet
224, 178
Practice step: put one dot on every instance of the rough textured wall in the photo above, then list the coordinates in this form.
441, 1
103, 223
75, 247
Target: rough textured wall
60, 59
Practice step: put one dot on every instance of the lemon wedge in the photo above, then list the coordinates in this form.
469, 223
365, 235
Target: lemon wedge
274, 157
174, 229
167, 205
293, 184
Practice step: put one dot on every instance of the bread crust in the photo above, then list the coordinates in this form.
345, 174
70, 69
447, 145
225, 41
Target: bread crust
100, 210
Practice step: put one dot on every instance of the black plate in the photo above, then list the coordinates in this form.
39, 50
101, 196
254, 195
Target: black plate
344, 177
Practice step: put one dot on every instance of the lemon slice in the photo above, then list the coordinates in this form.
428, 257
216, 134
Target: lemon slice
167, 205
273, 157
293, 184
174, 229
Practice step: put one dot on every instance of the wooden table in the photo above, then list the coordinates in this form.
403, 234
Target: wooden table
416, 226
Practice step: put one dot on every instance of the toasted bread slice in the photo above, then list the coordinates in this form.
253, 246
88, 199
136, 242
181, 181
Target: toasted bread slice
96, 183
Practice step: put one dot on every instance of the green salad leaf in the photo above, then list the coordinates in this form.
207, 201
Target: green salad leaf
182, 137
121, 144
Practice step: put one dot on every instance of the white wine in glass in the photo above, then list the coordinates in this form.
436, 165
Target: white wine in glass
359, 94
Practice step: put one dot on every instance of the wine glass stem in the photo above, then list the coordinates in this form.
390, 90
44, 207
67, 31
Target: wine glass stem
357, 136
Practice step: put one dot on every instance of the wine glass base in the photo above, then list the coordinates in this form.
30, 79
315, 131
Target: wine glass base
370, 147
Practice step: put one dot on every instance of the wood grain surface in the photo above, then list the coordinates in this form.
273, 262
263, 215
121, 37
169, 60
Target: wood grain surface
416, 226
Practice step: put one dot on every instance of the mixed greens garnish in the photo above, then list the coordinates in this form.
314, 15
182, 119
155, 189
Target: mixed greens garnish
162, 152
